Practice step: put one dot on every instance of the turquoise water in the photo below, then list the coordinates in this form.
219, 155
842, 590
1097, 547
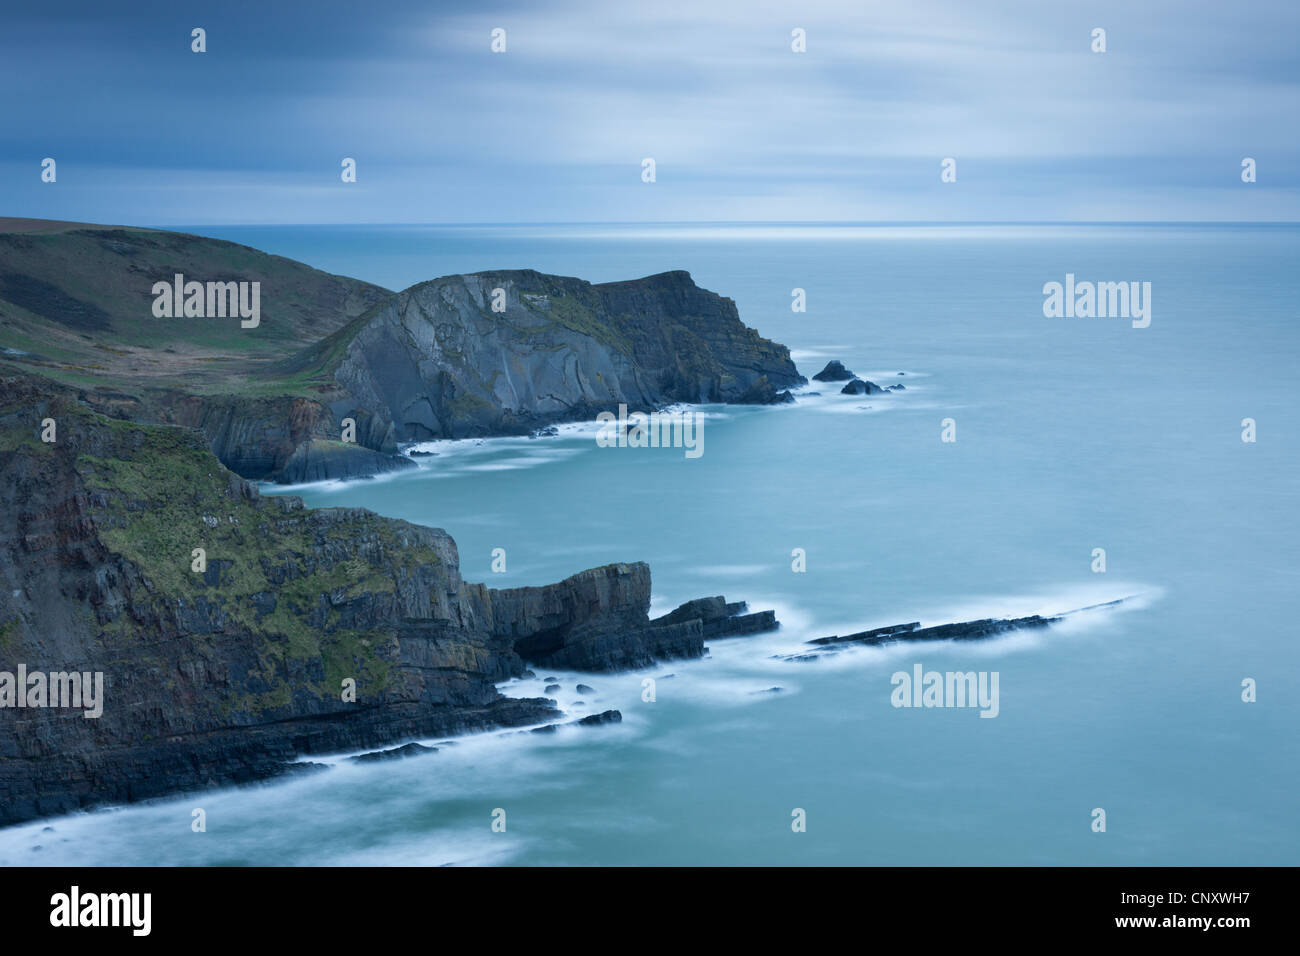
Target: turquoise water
1072, 434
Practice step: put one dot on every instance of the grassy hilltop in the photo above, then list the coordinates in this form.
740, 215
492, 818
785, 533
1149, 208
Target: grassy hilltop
76, 305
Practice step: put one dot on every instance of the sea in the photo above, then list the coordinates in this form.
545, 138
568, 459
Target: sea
1030, 465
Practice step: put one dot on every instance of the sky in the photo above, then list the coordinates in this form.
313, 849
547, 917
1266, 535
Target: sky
742, 128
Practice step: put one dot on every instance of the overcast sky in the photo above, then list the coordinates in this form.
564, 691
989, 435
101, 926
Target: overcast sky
555, 129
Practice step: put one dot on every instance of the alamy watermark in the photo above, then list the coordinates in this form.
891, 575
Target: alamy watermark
923, 688
674, 428
208, 300
69, 689
1102, 300
75, 908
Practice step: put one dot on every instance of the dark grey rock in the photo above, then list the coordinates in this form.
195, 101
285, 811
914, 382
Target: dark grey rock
833, 372
396, 753
719, 619
321, 460
861, 387
595, 720
763, 392
961, 631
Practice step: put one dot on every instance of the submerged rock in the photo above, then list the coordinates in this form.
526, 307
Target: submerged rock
595, 720
591, 720
396, 753
584, 689
961, 631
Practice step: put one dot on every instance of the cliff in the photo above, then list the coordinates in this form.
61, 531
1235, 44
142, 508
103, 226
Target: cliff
507, 352
227, 673
494, 353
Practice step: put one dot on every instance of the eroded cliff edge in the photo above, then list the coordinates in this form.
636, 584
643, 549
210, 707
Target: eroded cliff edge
227, 675
506, 352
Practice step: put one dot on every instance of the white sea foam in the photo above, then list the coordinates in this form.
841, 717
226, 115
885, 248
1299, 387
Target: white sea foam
827, 352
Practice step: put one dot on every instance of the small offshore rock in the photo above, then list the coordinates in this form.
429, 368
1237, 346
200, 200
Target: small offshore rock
860, 387
834, 372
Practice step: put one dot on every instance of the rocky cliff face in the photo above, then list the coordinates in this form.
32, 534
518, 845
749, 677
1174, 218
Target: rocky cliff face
224, 672
507, 352
285, 438
492, 353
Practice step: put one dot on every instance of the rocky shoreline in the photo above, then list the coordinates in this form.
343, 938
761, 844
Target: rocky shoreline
306, 632
229, 673
236, 633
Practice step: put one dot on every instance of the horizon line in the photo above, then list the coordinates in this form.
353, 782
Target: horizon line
782, 222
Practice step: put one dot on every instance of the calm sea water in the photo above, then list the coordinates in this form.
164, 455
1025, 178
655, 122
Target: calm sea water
1072, 434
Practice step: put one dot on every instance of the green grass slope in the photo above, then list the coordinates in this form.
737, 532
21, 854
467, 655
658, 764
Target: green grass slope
76, 305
